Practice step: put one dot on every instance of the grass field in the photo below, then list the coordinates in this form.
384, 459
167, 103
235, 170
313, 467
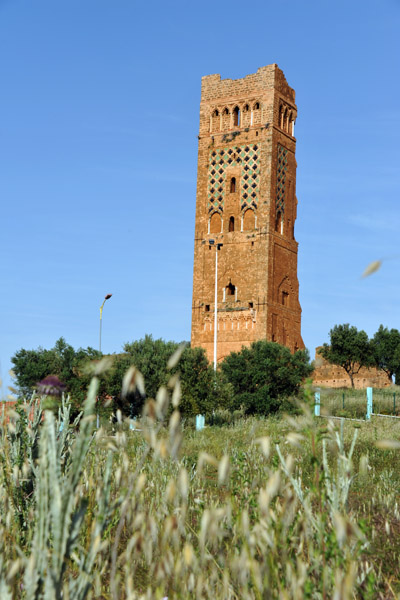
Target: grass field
281, 507
353, 403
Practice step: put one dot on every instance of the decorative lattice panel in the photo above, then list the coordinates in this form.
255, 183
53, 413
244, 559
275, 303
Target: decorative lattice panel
281, 178
247, 157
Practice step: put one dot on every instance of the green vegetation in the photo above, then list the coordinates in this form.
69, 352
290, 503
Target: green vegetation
256, 380
269, 508
30, 367
351, 349
201, 392
352, 403
264, 375
386, 351
348, 348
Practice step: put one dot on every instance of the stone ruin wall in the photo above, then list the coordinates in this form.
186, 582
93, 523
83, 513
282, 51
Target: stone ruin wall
333, 376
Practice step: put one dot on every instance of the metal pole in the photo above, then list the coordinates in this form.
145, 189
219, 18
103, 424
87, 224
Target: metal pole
343, 400
215, 307
101, 317
106, 297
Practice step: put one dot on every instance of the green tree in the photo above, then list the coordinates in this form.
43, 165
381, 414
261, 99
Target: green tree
348, 348
202, 391
264, 374
150, 357
386, 351
32, 366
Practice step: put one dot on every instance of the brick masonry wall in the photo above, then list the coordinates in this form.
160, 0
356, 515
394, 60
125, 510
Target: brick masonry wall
333, 376
253, 217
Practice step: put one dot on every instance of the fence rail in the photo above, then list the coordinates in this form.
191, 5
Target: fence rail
357, 404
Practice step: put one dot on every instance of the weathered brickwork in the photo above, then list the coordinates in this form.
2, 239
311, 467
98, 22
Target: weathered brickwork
246, 200
333, 376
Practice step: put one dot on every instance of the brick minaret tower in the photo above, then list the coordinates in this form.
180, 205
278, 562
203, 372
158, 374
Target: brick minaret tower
246, 200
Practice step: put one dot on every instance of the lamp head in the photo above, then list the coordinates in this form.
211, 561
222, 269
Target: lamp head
107, 297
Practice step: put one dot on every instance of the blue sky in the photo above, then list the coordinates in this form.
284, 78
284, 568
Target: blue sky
99, 112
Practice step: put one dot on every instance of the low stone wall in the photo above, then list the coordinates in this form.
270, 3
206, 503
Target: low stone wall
332, 376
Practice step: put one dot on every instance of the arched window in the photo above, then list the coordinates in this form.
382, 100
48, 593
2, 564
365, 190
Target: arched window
249, 220
233, 185
225, 119
215, 223
231, 223
281, 116
279, 222
236, 116
215, 121
245, 122
256, 113
230, 289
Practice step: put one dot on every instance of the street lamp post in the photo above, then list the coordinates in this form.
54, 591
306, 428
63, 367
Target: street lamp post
217, 248
107, 297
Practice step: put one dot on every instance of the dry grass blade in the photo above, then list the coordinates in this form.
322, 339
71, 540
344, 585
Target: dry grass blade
372, 268
133, 380
174, 359
388, 444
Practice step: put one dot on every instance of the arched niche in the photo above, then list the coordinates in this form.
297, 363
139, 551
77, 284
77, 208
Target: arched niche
256, 113
226, 119
246, 115
285, 293
215, 120
279, 222
249, 220
215, 223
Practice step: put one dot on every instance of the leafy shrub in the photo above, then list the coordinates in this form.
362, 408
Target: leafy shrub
202, 390
263, 374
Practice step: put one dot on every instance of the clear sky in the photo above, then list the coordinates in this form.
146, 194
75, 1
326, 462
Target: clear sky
99, 110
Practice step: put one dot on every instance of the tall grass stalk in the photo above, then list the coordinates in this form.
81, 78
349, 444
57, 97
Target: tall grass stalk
261, 510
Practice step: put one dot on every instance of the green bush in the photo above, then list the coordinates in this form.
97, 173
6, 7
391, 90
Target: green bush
265, 375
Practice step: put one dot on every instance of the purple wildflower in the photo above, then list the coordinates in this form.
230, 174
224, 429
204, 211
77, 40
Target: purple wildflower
51, 386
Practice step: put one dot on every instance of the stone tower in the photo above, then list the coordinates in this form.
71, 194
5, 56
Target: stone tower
246, 200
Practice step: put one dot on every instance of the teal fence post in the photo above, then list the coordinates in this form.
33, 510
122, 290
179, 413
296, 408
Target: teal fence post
317, 404
200, 420
343, 400
369, 403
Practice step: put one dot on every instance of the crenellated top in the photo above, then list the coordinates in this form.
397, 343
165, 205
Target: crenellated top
266, 78
258, 99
